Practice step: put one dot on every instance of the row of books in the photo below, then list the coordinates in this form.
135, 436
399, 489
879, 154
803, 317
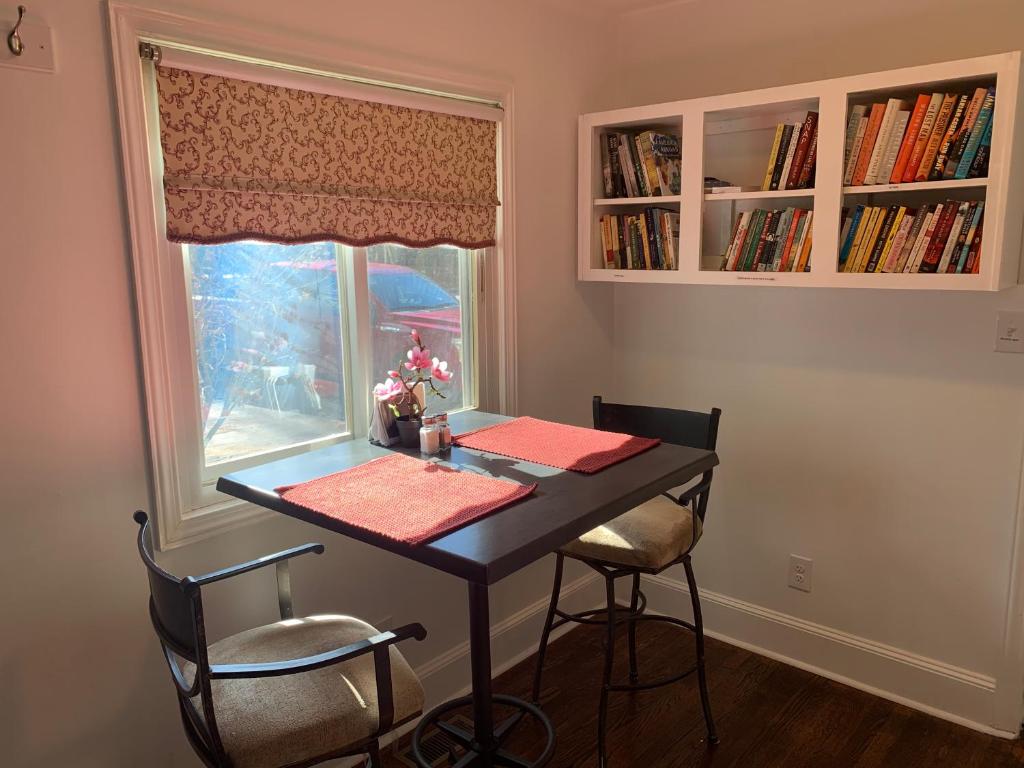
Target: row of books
943, 136
942, 238
770, 241
647, 240
794, 153
640, 164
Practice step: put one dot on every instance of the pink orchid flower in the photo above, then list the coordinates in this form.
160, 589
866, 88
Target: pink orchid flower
416, 337
419, 359
440, 370
389, 390
394, 374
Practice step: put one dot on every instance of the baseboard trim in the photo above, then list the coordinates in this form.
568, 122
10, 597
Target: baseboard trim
938, 688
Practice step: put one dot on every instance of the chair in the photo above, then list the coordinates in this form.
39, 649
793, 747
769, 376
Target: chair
284, 695
648, 539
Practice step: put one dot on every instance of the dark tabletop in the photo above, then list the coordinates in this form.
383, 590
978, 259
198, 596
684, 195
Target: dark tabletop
565, 505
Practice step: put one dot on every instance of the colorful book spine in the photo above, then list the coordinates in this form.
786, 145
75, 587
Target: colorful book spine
892, 253
808, 133
963, 134
979, 211
772, 156
806, 179
930, 260
856, 113
982, 127
804, 262
858, 143
946, 145
780, 160
973, 265
851, 234
739, 233
910, 138
923, 137
883, 237
881, 145
908, 248
936, 138
959, 222
867, 148
899, 127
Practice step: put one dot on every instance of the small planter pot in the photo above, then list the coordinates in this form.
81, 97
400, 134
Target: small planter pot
409, 432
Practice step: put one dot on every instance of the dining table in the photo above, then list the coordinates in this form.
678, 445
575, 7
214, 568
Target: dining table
565, 505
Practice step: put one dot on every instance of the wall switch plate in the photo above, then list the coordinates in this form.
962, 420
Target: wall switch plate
1010, 332
38, 39
800, 571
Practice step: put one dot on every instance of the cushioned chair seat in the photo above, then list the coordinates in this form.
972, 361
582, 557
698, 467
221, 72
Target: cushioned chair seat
277, 721
649, 536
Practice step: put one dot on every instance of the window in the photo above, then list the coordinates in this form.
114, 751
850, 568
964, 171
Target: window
253, 351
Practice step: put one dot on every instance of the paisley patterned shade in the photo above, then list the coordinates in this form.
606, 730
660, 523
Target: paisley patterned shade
246, 160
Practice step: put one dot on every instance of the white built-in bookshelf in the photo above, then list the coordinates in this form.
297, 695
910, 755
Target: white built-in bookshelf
730, 137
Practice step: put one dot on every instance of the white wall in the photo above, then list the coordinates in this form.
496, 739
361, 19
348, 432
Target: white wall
83, 684
875, 432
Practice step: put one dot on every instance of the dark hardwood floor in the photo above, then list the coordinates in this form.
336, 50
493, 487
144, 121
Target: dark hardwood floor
767, 713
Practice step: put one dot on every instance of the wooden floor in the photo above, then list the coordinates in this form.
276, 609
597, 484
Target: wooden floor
767, 713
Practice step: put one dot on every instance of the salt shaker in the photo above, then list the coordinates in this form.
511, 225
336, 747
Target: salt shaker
430, 436
445, 432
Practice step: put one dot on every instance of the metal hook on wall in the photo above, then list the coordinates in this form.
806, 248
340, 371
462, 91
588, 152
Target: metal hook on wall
14, 41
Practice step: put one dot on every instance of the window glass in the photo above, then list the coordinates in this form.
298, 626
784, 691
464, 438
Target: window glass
268, 346
429, 290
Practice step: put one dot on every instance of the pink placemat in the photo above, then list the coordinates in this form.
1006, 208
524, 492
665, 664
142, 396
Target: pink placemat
403, 498
556, 445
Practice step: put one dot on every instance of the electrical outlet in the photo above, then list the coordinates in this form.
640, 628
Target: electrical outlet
1010, 332
800, 571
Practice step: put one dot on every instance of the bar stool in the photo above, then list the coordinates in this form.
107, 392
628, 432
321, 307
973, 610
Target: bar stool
648, 539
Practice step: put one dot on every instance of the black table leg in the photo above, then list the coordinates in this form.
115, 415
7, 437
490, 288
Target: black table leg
484, 747
480, 661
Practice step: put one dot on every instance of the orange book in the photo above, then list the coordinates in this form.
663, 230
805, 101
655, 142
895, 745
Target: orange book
923, 135
805, 254
935, 140
910, 137
864, 158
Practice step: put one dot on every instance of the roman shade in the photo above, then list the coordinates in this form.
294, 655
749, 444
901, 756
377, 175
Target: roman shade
247, 160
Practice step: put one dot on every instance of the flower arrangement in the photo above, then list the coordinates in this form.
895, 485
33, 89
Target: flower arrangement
398, 389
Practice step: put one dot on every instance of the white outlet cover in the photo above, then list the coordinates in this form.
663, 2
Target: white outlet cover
38, 39
1010, 332
801, 570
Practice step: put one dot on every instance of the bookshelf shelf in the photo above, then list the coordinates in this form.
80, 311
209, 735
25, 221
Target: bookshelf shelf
731, 137
655, 200
917, 186
782, 194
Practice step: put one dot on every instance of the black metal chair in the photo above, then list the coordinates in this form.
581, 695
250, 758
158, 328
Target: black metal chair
646, 540
284, 695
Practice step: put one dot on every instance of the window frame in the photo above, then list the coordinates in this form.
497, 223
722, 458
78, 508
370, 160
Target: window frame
162, 303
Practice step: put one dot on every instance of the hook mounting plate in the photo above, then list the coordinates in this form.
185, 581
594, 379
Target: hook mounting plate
37, 39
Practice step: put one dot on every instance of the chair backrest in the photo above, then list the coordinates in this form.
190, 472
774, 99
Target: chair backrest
690, 428
173, 600
693, 429
176, 610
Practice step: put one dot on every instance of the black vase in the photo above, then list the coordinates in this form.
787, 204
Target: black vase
409, 431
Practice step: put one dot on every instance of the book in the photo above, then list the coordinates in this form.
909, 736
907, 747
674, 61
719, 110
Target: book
852, 224
930, 260
774, 260
858, 143
899, 126
923, 137
859, 234
808, 133
729, 189
772, 156
895, 246
884, 237
753, 238
946, 145
959, 253
652, 238
926, 241
606, 169
606, 242
910, 138
852, 123
787, 166
783, 260
981, 126
954, 233
979, 167
881, 145
935, 139
803, 264
803, 229
643, 183
868, 146
780, 160
618, 184
767, 235
627, 167
974, 253
668, 157
867, 247
919, 220
979, 210
739, 234
670, 228
757, 245
645, 243
806, 178
963, 134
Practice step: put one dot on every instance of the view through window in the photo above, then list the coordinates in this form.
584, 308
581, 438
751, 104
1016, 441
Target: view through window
270, 342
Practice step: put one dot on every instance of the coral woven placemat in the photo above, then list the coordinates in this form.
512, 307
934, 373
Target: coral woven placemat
403, 498
556, 445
